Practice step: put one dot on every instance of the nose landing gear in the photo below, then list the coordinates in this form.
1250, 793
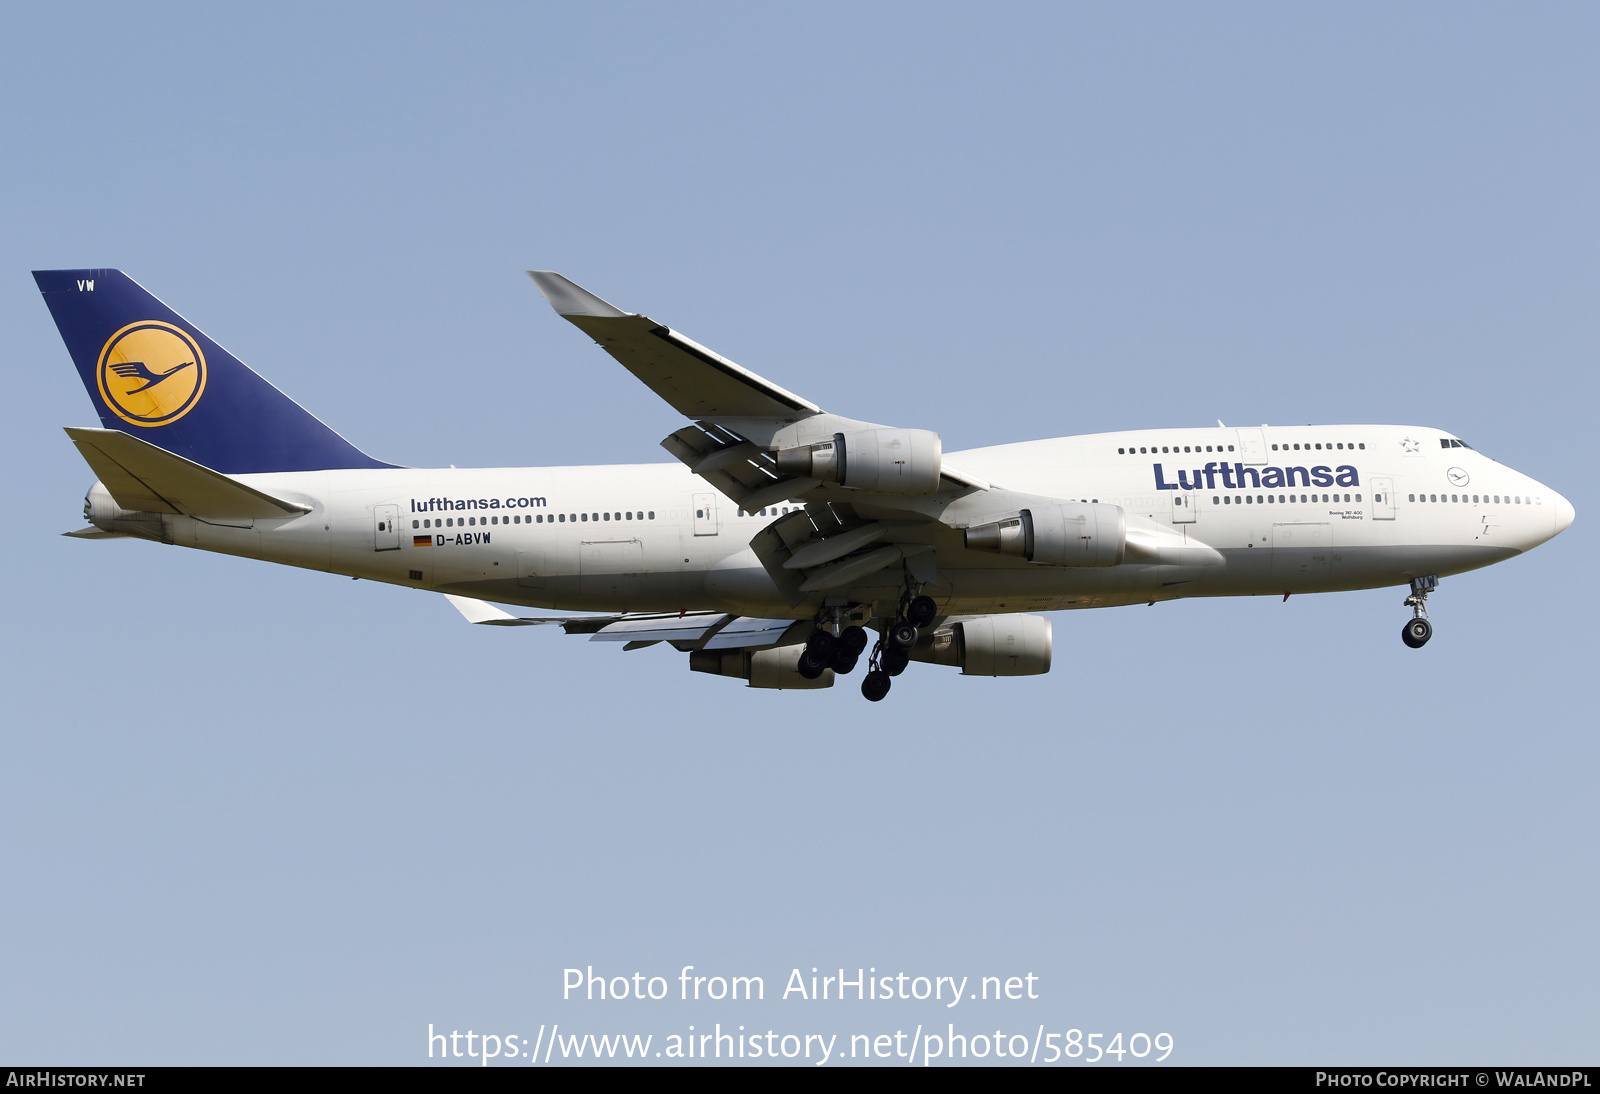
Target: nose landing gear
1418, 629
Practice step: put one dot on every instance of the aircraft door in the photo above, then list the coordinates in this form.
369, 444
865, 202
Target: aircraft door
1252, 446
1183, 508
1382, 498
705, 514
386, 528
531, 571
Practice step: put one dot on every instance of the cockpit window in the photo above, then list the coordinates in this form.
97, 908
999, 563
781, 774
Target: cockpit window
1451, 442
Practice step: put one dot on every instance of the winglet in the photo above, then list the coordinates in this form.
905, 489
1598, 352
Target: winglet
570, 299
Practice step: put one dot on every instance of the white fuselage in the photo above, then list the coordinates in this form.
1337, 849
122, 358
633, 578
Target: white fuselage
1290, 509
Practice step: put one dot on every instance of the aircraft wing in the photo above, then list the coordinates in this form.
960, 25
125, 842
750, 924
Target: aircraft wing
689, 631
695, 381
742, 420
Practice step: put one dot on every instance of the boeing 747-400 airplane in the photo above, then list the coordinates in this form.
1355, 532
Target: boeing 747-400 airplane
786, 540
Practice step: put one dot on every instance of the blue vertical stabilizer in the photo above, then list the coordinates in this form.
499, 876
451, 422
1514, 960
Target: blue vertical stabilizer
153, 374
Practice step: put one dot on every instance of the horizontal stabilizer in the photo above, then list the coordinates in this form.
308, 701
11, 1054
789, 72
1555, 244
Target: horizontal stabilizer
144, 478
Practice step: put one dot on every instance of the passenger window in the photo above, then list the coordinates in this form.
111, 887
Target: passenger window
652, 514
1411, 497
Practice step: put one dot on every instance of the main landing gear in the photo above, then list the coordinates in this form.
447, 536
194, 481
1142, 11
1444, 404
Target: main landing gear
1418, 630
825, 650
892, 653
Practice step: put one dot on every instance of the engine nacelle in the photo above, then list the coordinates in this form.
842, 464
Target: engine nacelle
778, 668
1071, 533
884, 461
990, 645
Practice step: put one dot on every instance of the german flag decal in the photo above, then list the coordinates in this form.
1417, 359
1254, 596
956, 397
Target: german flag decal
422, 541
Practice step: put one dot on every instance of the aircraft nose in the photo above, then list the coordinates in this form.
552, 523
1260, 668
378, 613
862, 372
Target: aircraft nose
1564, 513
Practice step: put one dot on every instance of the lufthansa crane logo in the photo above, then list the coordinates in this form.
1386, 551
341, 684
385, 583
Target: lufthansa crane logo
1457, 476
151, 373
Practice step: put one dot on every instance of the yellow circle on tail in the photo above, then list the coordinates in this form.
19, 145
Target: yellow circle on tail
151, 373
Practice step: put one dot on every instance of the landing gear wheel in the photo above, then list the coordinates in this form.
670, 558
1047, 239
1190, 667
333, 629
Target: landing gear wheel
921, 611
810, 669
1416, 633
875, 686
854, 639
819, 644
844, 662
893, 661
903, 636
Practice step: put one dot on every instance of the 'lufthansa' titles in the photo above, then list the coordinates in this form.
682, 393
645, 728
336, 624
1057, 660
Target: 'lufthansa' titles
1240, 477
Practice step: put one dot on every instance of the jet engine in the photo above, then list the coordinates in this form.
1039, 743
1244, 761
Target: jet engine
1070, 533
884, 461
990, 645
776, 668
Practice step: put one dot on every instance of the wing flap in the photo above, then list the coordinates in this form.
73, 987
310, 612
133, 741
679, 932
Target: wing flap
744, 632
690, 628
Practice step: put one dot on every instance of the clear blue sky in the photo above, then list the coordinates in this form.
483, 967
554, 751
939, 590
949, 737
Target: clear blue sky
252, 814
